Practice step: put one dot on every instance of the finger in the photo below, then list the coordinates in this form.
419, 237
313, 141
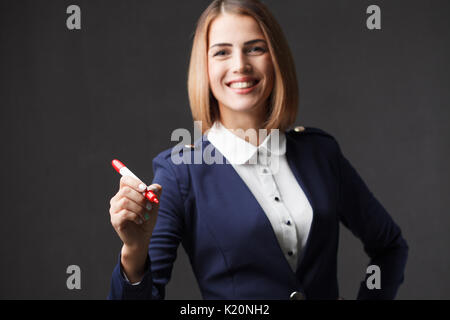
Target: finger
157, 190
113, 199
125, 215
134, 183
132, 194
129, 205
141, 206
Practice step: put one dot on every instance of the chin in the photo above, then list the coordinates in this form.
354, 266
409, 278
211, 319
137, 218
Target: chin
242, 105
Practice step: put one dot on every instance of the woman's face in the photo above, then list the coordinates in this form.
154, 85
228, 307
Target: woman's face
240, 69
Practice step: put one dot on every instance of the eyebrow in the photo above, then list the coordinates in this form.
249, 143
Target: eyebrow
230, 45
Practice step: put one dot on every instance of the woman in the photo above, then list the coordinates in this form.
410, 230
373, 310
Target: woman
252, 229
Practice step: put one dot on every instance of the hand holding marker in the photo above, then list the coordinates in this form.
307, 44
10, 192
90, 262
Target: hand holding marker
124, 171
134, 218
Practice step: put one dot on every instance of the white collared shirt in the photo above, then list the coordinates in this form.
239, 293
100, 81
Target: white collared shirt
266, 172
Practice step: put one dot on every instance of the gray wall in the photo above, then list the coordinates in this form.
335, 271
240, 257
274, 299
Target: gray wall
71, 101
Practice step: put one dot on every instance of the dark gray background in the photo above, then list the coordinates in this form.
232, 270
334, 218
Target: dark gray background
71, 101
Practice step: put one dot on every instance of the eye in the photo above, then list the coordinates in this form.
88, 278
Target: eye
220, 53
257, 49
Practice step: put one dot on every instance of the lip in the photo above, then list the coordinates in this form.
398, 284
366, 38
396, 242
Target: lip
244, 90
243, 79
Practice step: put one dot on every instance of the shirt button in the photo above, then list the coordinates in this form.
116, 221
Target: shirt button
290, 253
277, 199
288, 222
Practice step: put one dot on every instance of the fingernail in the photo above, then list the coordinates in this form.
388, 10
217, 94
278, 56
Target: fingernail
146, 216
148, 206
142, 187
140, 221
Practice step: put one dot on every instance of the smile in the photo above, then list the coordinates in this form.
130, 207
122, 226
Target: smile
243, 87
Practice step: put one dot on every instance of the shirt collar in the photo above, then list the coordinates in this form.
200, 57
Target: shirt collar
238, 151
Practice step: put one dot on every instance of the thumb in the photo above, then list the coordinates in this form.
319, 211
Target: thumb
156, 189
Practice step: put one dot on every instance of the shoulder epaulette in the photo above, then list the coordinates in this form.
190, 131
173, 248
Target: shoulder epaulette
186, 148
301, 130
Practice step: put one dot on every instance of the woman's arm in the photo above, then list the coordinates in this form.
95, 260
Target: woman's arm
367, 219
164, 242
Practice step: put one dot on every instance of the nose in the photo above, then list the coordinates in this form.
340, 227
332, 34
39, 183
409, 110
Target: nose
241, 63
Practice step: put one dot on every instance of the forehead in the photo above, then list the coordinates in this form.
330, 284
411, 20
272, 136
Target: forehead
233, 28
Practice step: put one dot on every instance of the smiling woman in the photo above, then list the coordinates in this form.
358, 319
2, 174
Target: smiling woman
240, 70
264, 229
240, 41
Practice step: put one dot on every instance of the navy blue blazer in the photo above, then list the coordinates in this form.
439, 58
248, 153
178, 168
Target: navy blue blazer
230, 242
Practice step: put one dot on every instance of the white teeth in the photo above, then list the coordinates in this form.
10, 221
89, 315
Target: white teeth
242, 85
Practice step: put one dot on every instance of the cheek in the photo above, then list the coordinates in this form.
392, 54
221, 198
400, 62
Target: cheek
216, 80
214, 75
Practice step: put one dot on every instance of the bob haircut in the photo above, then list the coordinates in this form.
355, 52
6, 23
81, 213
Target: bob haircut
282, 102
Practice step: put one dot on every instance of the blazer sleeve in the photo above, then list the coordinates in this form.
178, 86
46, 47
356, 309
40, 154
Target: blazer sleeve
368, 220
166, 237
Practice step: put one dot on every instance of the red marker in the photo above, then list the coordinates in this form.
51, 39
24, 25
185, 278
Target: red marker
124, 171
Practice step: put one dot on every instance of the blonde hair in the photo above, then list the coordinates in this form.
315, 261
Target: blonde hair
282, 109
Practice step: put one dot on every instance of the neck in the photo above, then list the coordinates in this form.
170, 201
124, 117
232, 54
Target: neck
239, 122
